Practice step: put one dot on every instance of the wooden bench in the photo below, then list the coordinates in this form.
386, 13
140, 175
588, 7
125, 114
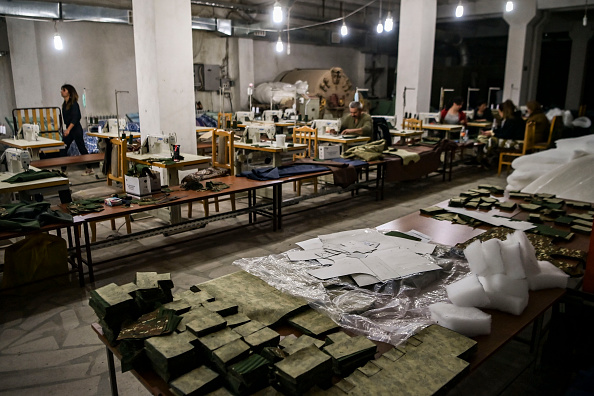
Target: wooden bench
70, 160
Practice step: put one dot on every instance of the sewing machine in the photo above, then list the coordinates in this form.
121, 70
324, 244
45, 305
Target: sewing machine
255, 132
244, 116
161, 144
325, 125
269, 114
17, 160
113, 125
29, 132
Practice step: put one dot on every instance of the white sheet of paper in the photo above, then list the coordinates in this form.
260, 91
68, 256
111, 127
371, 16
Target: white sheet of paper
396, 263
299, 255
363, 280
497, 221
342, 267
313, 243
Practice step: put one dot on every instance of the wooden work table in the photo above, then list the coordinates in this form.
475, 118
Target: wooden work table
34, 145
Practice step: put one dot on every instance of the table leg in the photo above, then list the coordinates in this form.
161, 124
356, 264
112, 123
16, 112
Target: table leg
112, 374
88, 251
250, 206
274, 207
279, 205
276, 160
78, 258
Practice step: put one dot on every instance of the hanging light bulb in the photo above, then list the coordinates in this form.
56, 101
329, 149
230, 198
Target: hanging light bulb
389, 24
57, 39
509, 6
344, 30
277, 13
459, 10
279, 44
380, 27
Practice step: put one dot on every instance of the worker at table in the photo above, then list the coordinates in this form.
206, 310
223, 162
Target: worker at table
542, 125
356, 123
454, 114
507, 133
482, 113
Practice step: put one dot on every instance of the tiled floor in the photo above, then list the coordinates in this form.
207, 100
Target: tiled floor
48, 348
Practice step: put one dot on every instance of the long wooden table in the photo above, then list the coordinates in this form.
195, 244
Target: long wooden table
271, 148
30, 187
34, 145
444, 128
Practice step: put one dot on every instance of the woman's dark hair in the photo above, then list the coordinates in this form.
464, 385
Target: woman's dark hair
73, 94
457, 100
534, 107
508, 108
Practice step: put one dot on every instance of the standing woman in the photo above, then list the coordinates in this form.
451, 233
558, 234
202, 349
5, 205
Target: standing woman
71, 114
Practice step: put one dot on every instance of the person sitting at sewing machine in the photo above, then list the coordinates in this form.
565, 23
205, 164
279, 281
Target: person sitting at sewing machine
482, 113
454, 114
72, 116
356, 123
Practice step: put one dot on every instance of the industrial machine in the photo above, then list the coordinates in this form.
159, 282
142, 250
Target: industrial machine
29, 132
269, 114
255, 132
244, 116
324, 125
17, 160
161, 144
113, 125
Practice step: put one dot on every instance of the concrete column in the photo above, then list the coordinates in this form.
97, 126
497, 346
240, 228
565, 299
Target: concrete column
25, 63
415, 56
580, 36
164, 69
245, 58
534, 63
519, 45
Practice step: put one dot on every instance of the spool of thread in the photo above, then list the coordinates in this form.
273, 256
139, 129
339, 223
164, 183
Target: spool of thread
280, 140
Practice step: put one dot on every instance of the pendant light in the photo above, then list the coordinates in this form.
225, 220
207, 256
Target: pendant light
380, 26
277, 13
279, 44
344, 30
57, 39
509, 6
389, 24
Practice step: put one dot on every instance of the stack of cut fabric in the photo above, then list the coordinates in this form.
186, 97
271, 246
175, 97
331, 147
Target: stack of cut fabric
302, 370
153, 290
199, 381
171, 355
349, 354
113, 305
230, 354
249, 375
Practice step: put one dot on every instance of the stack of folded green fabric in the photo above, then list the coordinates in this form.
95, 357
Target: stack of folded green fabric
230, 354
349, 354
265, 337
293, 344
171, 355
248, 328
199, 381
213, 341
236, 320
206, 324
221, 307
312, 322
153, 290
249, 375
113, 305
300, 371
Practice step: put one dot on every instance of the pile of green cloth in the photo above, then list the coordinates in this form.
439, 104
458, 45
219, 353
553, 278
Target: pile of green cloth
210, 186
32, 175
367, 152
30, 216
86, 206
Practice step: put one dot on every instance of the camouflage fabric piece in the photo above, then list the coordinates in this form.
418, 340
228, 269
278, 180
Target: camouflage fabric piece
305, 368
236, 320
159, 322
265, 337
223, 308
350, 354
249, 375
292, 345
249, 328
217, 339
207, 324
171, 355
258, 300
229, 354
312, 322
199, 381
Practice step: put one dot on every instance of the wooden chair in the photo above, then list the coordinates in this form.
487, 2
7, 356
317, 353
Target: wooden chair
506, 157
545, 145
412, 124
225, 159
222, 120
308, 136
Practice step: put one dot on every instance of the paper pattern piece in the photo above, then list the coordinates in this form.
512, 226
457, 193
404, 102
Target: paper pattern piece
493, 220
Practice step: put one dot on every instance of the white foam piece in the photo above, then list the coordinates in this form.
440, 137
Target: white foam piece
512, 258
464, 320
503, 284
476, 261
528, 254
503, 302
549, 277
467, 292
492, 256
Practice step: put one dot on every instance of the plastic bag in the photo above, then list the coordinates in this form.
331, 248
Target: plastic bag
36, 257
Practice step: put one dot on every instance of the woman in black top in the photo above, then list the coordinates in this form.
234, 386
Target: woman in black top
71, 114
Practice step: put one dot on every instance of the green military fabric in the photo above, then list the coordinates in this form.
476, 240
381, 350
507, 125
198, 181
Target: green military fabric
178, 306
32, 175
407, 156
496, 190
229, 354
213, 341
582, 216
530, 207
170, 355
195, 313
312, 322
194, 298
249, 375
86, 206
305, 368
258, 300
508, 206
292, 345
583, 223
349, 354
133, 354
265, 337
160, 321
457, 202
113, 306
581, 229
206, 324
236, 320
30, 216
367, 152
199, 381
249, 328
579, 205
433, 210
223, 308
339, 336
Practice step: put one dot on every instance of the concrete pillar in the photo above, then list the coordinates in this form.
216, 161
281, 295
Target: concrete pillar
164, 69
245, 58
415, 56
580, 36
22, 41
519, 45
534, 63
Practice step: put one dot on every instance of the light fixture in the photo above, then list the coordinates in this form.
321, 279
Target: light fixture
277, 13
57, 39
459, 10
380, 26
389, 24
509, 6
279, 44
344, 30
585, 20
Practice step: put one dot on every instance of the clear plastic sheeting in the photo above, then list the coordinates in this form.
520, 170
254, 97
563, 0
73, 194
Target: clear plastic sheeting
574, 181
389, 312
279, 92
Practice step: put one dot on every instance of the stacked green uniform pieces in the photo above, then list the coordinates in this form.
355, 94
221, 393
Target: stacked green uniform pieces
230, 354
349, 354
213, 341
262, 338
249, 375
153, 290
312, 322
199, 381
223, 308
113, 305
171, 355
293, 344
206, 324
300, 371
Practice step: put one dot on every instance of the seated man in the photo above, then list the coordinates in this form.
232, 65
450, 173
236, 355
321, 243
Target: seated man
356, 123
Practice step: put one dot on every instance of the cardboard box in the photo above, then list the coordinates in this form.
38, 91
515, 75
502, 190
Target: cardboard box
328, 152
156, 182
137, 186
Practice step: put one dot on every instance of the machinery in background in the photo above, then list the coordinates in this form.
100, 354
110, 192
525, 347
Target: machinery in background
244, 116
323, 126
255, 132
29, 132
17, 160
160, 144
270, 114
